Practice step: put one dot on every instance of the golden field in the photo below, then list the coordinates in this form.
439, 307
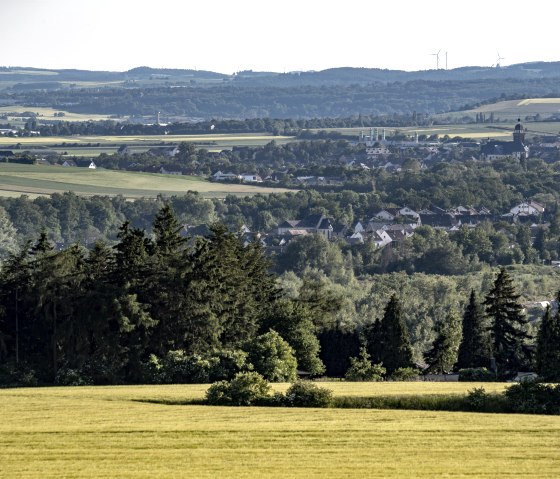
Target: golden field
107, 432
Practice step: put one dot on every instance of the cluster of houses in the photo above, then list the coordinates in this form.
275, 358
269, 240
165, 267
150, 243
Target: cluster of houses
388, 226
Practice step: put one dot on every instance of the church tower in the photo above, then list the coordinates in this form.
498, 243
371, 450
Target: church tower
519, 133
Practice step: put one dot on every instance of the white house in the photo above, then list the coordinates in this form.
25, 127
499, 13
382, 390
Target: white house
527, 208
219, 176
251, 178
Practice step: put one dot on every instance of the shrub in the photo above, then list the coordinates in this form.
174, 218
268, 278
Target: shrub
72, 377
177, 367
12, 374
272, 357
405, 374
245, 389
477, 399
533, 398
361, 368
476, 375
307, 394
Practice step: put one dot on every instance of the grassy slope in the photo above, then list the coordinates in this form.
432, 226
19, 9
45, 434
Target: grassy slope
105, 432
18, 179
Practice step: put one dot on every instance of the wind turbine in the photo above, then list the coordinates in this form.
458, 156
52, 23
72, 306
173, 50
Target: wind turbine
498, 60
437, 58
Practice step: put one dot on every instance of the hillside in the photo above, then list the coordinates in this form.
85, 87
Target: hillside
45, 180
182, 95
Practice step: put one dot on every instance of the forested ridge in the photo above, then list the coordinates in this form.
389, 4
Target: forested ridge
302, 101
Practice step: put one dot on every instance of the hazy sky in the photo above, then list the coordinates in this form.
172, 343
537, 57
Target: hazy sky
233, 35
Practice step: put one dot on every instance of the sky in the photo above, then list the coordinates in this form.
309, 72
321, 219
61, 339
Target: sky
227, 36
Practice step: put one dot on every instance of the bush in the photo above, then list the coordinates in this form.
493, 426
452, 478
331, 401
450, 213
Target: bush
245, 389
533, 398
405, 374
72, 377
477, 399
176, 367
361, 368
12, 374
272, 357
307, 394
476, 375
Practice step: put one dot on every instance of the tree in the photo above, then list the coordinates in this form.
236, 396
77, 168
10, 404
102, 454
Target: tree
475, 349
361, 368
548, 345
8, 236
272, 357
167, 229
389, 339
293, 320
443, 355
507, 320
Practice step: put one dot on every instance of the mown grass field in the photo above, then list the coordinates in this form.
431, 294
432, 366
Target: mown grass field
46, 180
108, 432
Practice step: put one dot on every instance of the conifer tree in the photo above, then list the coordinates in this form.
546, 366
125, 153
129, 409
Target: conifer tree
443, 355
475, 349
507, 320
548, 345
167, 229
393, 342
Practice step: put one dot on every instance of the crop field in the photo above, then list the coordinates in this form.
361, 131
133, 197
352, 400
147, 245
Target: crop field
498, 131
513, 109
94, 145
107, 432
44, 113
45, 180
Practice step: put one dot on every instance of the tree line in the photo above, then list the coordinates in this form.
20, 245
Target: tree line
163, 308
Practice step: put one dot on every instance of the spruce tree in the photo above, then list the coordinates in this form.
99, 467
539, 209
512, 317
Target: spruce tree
475, 349
548, 345
167, 229
395, 350
506, 322
443, 355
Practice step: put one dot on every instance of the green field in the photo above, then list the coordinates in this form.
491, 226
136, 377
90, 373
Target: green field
107, 432
45, 180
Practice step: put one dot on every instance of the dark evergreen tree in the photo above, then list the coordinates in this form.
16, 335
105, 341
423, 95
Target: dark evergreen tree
443, 355
167, 229
337, 347
548, 345
391, 345
506, 325
475, 349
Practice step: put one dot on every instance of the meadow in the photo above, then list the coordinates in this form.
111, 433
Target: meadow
107, 432
36, 180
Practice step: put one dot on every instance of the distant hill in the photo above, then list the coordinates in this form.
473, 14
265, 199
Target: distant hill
337, 92
343, 75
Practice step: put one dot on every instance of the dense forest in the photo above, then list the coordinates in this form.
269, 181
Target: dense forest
305, 101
